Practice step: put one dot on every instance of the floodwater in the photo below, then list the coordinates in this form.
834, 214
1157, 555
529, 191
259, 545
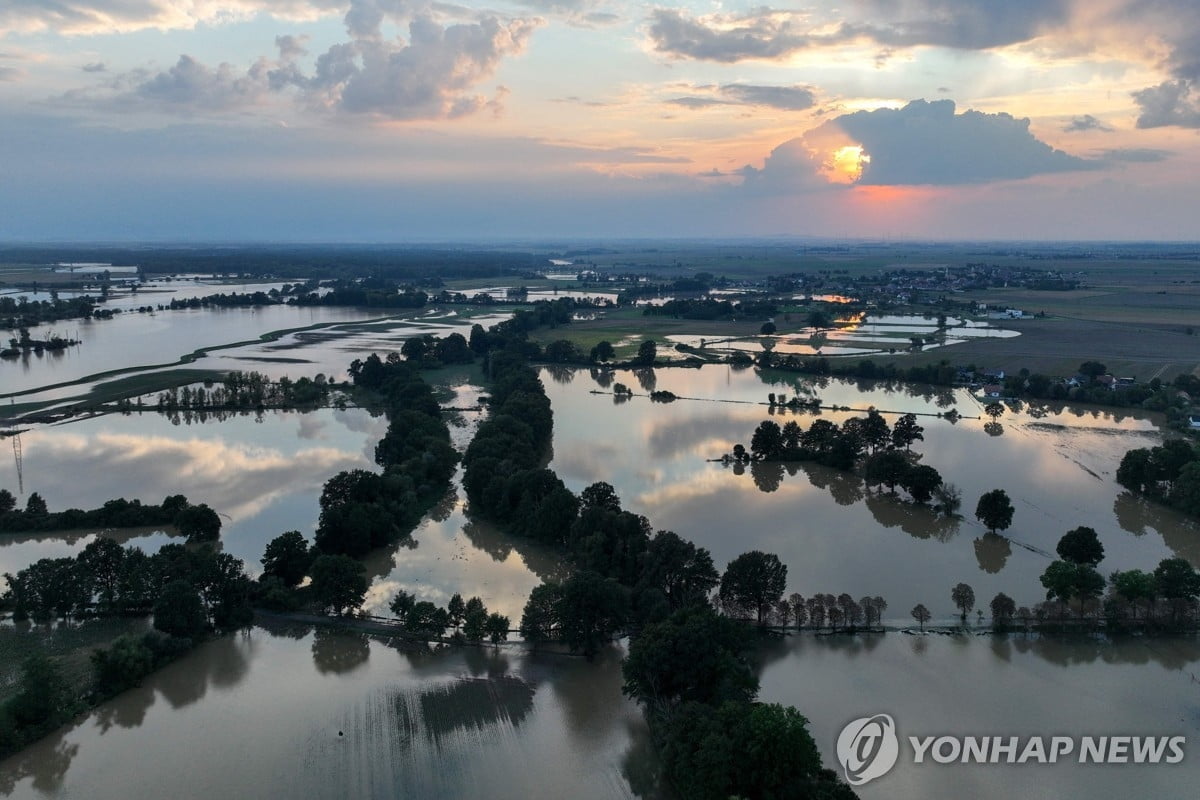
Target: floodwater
260, 712
288, 711
1058, 467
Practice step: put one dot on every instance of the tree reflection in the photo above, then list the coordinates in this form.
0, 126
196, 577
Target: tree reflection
46, 762
560, 374
992, 551
338, 652
768, 475
647, 379
1137, 516
993, 428
602, 377
918, 521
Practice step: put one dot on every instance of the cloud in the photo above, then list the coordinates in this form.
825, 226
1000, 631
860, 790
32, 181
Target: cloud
1085, 122
431, 75
1134, 155
1169, 103
928, 143
764, 34
8, 74
91, 17
95, 66
958, 24
784, 98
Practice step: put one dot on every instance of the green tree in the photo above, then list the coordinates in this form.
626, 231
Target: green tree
496, 628
887, 468
1003, 608
1177, 582
427, 619
179, 611
1133, 585
921, 481
906, 431
1081, 546
1185, 491
767, 329
994, 410
7, 501
198, 523
44, 698
456, 609
683, 572
1136, 472
995, 510
101, 562
36, 506
338, 583
753, 582
964, 599
539, 622
591, 609
647, 352
401, 604
603, 351
693, 655
767, 441
1065, 580
287, 557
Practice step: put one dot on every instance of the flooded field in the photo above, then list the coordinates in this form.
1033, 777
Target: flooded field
265, 708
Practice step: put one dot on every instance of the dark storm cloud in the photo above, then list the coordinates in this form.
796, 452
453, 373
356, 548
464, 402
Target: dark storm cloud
960, 24
1170, 103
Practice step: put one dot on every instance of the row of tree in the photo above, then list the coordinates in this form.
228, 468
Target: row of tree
197, 522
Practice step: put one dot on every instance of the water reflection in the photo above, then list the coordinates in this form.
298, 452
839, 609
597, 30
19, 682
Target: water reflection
337, 652
993, 551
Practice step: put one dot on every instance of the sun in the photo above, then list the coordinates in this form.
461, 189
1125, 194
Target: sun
846, 164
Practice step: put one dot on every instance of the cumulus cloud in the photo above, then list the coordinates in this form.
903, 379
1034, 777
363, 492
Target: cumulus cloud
432, 74
784, 98
429, 76
1085, 122
923, 143
1170, 103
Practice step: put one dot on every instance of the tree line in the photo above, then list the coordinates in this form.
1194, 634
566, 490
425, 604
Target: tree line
1169, 473
197, 522
246, 390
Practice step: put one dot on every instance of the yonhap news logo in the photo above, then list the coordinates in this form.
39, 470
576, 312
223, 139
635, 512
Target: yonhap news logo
869, 747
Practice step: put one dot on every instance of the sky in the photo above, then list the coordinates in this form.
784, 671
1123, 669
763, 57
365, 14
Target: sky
409, 120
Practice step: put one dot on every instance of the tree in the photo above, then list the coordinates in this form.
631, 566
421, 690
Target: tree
1092, 369
600, 495
198, 523
753, 581
456, 609
36, 506
874, 430
426, 619
338, 583
921, 614
401, 604
475, 620
1176, 581
995, 510
647, 352
695, 655
179, 611
591, 609
1081, 546
1136, 472
674, 566
101, 563
603, 351
539, 621
1133, 585
1065, 580
7, 501
1003, 608
44, 697
1185, 491
964, 599
767, 441
994, 410
287, 557
768, 328
906, 431
921, 481
887, 468
496, 628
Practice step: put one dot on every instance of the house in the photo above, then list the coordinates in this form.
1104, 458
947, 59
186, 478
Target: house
1125, 382
1107, 380
993, 374
992, 391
